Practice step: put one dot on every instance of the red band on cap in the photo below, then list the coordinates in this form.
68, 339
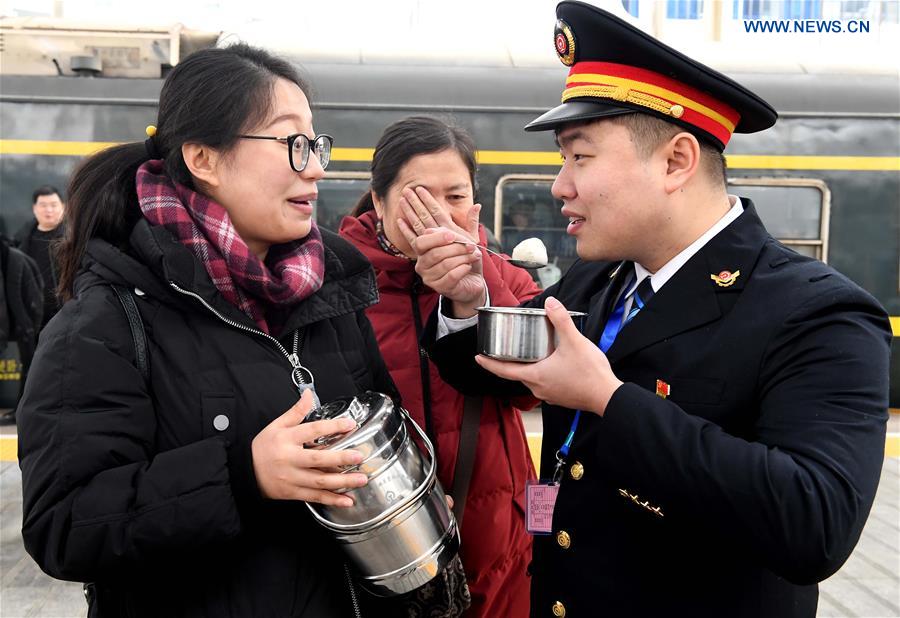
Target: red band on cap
619, 82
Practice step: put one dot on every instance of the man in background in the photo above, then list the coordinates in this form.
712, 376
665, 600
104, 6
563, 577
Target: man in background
35, 240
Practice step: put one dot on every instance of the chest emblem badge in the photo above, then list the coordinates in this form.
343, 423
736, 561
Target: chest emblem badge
725, 278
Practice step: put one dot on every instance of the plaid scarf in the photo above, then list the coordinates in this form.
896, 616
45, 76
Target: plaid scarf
291, 272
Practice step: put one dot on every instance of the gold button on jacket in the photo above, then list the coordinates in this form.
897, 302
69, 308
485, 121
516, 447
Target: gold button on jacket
559, 610
576, 471
563, 538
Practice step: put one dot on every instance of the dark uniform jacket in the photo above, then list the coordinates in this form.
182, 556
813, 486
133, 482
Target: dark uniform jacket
23, 303
752, 480
136, 486
46, 261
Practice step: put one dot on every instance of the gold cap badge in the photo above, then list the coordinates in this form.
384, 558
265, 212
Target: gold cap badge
564, 42
725, 278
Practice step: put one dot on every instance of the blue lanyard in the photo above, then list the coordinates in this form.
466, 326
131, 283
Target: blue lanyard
613, 325
563, 452
564, 449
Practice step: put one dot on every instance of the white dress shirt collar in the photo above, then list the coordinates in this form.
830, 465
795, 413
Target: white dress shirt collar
661, 276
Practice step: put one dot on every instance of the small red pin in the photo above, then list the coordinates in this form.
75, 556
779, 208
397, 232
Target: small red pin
663, 389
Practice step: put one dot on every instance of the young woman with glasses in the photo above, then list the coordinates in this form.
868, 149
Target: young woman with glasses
181, 492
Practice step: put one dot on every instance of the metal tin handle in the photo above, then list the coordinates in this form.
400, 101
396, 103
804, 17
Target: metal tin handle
429, 482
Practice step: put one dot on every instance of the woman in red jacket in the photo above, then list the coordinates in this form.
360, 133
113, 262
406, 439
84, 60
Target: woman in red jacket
438, 162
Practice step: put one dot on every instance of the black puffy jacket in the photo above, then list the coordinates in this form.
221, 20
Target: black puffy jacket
130, 485
22, 297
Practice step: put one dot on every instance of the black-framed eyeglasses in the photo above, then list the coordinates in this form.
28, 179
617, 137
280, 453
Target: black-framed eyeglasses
299, 146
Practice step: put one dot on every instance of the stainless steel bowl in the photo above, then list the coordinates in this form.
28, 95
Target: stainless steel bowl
516, 334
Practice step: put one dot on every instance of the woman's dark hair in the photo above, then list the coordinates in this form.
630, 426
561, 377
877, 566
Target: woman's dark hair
209, 98
408, 138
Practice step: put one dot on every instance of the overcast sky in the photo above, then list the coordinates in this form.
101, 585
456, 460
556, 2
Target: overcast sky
521, 28
356, 15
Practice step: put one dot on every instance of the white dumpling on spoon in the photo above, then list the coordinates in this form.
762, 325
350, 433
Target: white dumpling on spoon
530, 253
533, 247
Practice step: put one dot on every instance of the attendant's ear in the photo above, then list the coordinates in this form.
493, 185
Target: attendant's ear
682, 154
379, 205
203, 163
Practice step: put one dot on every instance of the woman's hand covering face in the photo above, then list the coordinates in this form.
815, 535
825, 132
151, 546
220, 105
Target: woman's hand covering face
421, 211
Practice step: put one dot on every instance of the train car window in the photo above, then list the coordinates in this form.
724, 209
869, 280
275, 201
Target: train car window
523, 209
338, 194
795, 210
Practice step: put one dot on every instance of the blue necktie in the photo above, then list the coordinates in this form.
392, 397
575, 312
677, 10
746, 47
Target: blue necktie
614, 324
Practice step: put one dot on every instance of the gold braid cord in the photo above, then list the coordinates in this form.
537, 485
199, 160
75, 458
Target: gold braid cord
620, 93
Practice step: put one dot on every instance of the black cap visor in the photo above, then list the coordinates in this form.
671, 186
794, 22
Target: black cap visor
579, 110
575, 111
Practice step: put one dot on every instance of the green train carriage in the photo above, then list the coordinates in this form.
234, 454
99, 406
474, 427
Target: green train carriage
826, 178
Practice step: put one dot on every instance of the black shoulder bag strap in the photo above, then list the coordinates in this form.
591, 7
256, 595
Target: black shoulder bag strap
141, 354
465, 455
142, 362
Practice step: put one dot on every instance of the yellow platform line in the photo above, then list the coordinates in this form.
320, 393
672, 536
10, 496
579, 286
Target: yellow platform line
8, 445
892, 445
507, 157
534, 446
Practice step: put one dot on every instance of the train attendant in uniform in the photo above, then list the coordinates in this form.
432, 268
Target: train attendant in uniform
716, 434
167, 467
424, 170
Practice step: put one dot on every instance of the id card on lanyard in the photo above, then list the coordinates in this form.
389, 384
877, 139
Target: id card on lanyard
540, 500
540, 496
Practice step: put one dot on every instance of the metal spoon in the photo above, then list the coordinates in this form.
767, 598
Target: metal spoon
519, 263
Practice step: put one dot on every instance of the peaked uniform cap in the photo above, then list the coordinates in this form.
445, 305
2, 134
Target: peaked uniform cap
617, 69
